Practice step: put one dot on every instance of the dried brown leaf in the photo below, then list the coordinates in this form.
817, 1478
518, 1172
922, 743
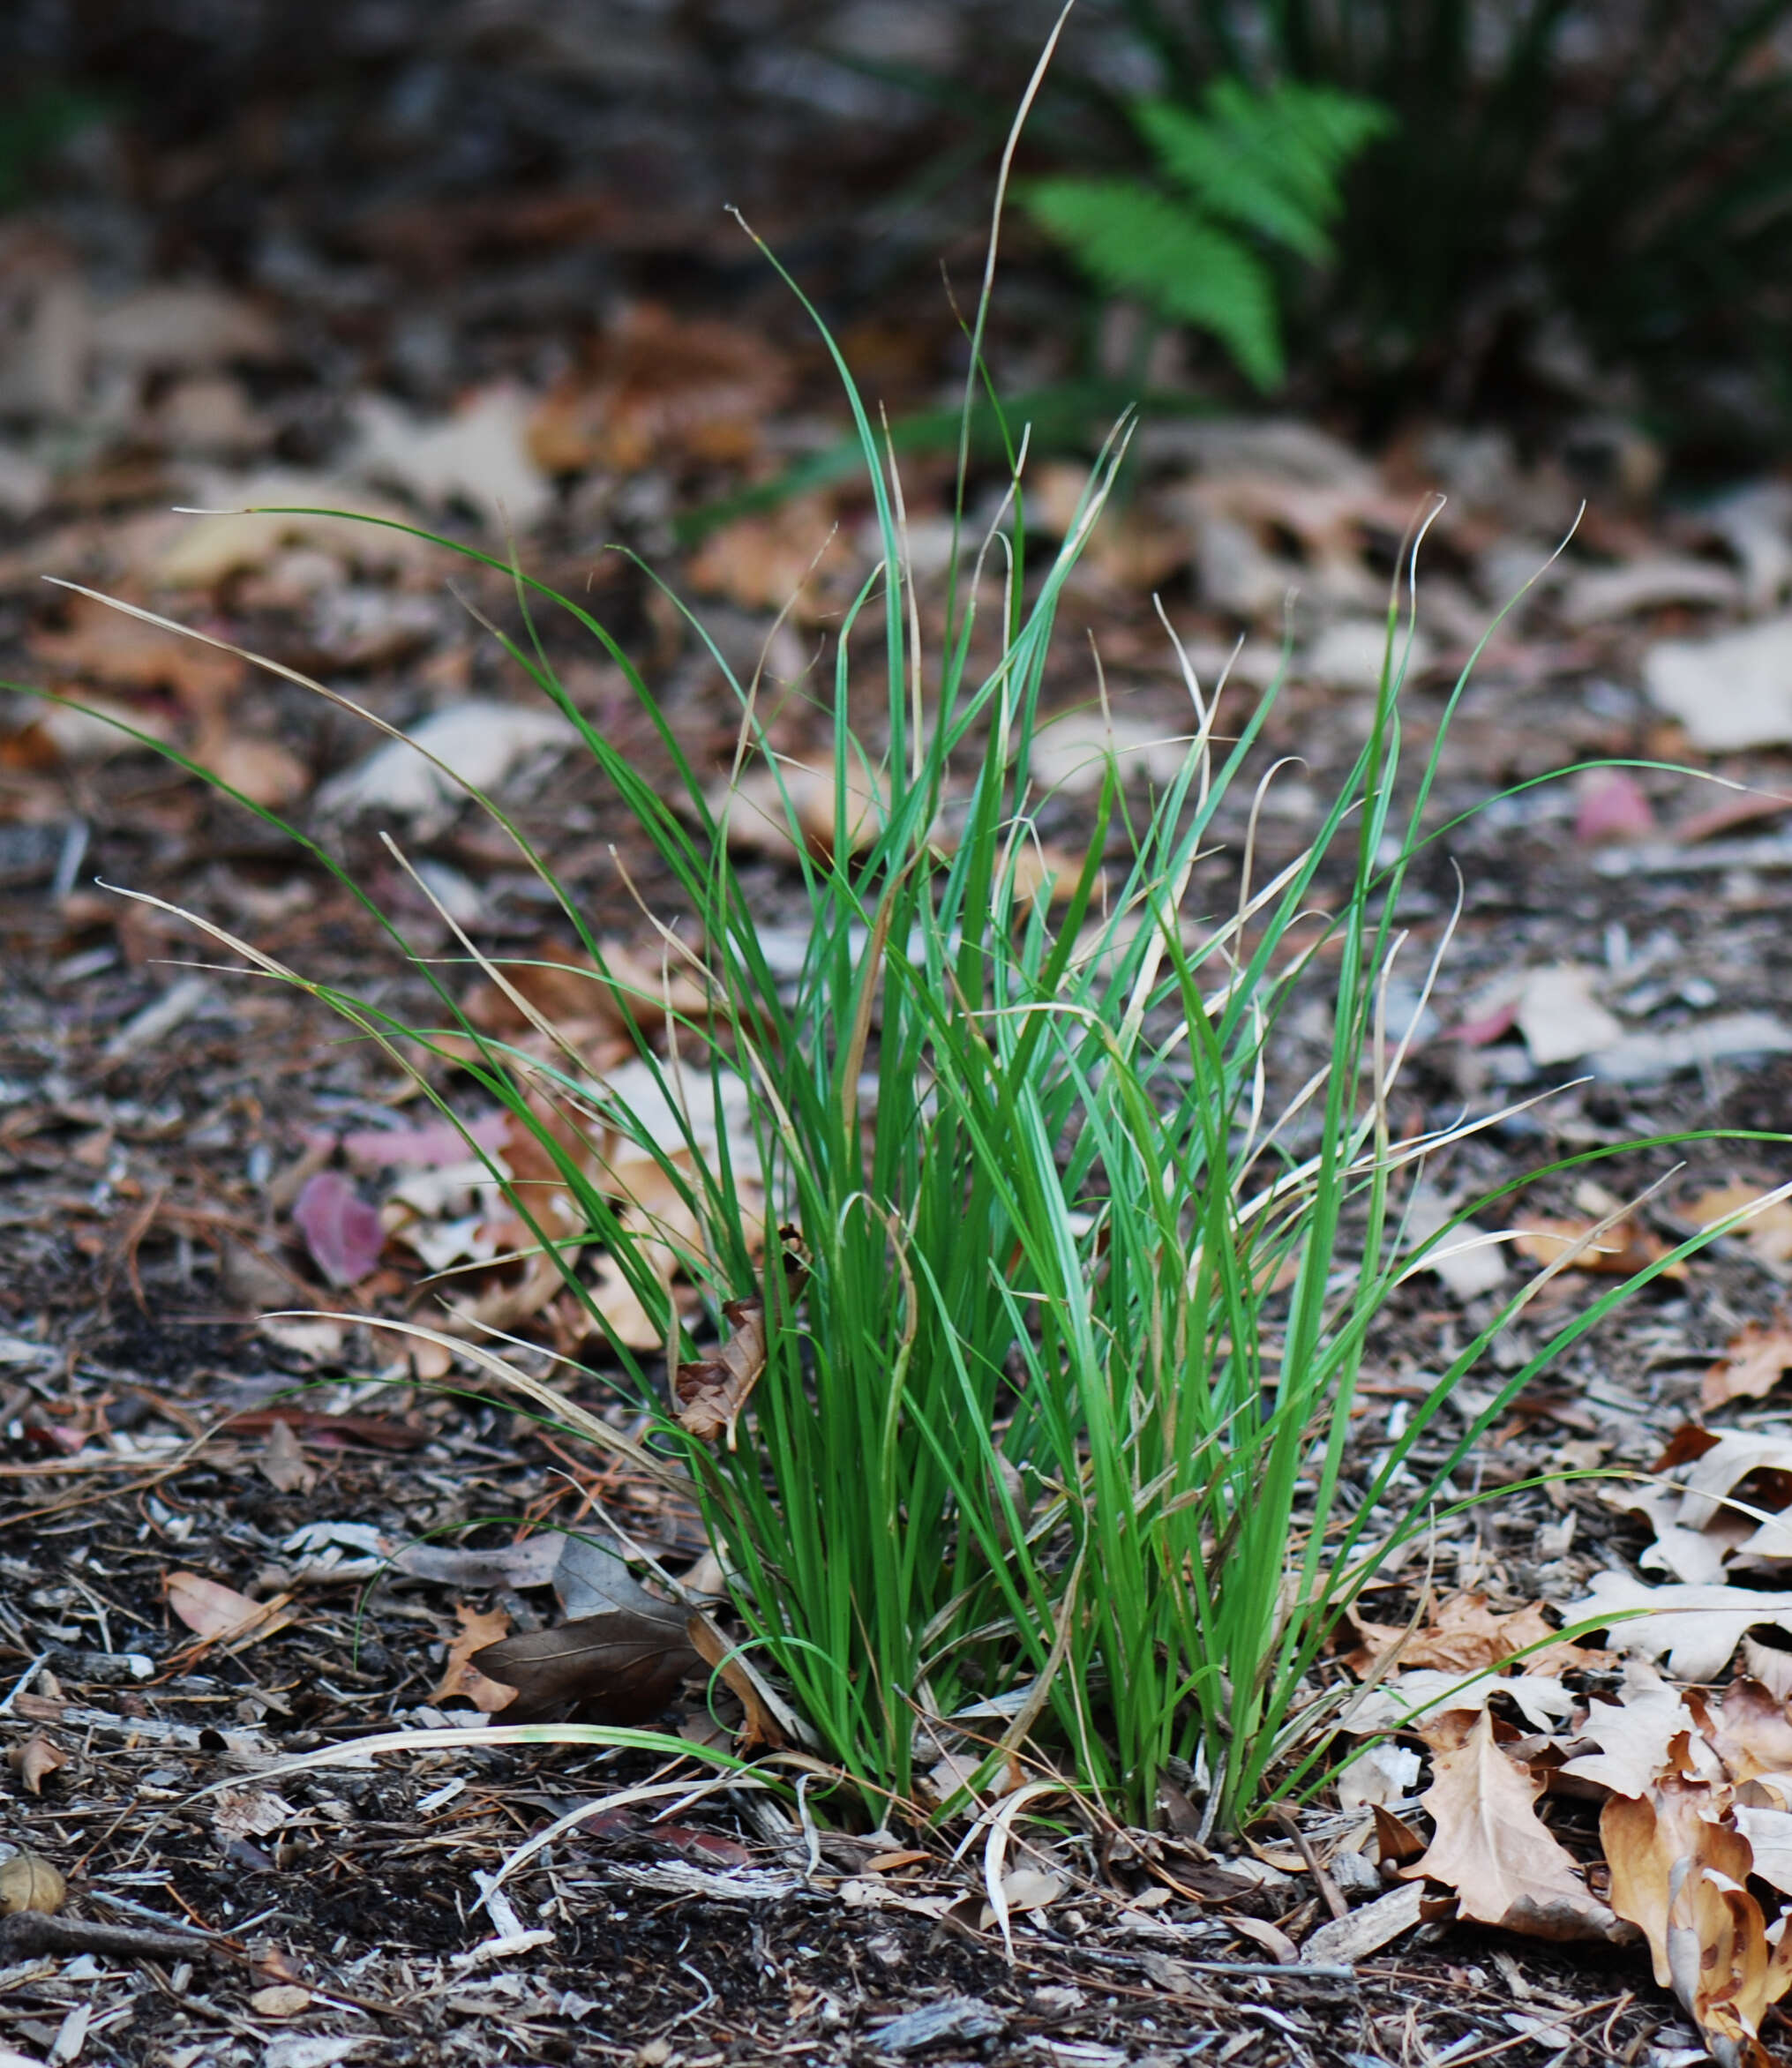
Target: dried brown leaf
657, 386
1767, 1233
791, 558
462, 1679
1465, 1636
219, 1614
620, 1667
282, 1460
1751, 1730
1489, 1847
1634, 1737
104, 645
1752, 1366
1645, 1836
758, 1724
712, 1391
29, 1882
35, 1760
1619, 1252
761, 807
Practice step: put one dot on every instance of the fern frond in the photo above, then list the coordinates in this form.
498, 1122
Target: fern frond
1133, 241
1235, 176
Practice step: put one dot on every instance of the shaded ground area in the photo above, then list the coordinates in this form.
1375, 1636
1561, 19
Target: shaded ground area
159, 1124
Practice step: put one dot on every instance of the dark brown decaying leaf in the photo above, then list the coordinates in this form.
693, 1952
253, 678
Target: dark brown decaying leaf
620, 1667
712, 1390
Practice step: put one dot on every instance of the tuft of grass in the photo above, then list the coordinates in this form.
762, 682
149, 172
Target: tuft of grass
1025, 1446
1037, 1454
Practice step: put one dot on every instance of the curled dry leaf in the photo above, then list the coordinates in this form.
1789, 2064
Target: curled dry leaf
29, 1882
1752, 1366
760, 1724
712, 1391
35, 1759
1619, 1252
219, 1614
462, 1679
620, 1667
1489, 1847
1679, 1871
1733, 1485
1465, 1636
1695, 1628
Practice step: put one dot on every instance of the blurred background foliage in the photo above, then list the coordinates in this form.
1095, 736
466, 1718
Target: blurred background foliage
1589, 195
1533, 208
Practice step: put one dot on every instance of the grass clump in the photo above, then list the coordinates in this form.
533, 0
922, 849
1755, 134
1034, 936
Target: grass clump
1023, 1446
1025, 1441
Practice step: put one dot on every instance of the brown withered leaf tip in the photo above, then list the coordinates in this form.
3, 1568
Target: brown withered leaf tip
712, 1391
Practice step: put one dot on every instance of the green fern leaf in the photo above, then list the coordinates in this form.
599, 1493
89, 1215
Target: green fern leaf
1299, 137
1235, 175
1133, 241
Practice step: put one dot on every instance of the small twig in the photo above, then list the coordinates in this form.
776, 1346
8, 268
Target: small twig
1329, 1892
27, 1934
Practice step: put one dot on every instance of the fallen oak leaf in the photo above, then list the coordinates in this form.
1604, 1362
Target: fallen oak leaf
1634, 1737
1697, 1628
1752, 1364
462, 1679
1489, 1847
1464, 1635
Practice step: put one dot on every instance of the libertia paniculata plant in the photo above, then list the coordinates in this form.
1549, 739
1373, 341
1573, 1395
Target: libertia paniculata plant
1036, 1458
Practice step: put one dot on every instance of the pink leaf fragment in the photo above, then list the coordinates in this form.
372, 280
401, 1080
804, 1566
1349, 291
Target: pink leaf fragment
432, 1146
1486, 1027
1610, 804
342, 1231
